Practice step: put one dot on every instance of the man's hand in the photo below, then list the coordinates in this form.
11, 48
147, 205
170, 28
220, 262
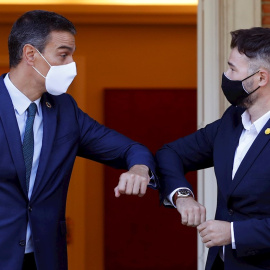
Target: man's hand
133, 182
192, 212
215, 233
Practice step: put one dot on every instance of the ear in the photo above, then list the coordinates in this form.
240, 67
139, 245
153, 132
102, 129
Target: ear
29, 54
264, 77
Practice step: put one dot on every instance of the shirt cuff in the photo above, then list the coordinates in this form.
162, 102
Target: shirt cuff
232, 236
169, 199
153, 179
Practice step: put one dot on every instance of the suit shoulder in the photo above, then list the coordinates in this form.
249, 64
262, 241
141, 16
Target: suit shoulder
233, 111
61, 100
232, 116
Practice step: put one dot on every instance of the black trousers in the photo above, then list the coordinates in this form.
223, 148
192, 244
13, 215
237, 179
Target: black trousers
29, 262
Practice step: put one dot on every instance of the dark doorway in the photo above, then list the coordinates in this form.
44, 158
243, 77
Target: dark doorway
139, 232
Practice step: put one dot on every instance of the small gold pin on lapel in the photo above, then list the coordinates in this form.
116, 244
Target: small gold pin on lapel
267, 131
49, 105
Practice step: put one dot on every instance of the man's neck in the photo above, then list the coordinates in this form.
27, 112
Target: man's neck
26, 86
258, 110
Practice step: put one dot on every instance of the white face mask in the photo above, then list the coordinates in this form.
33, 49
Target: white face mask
58, 78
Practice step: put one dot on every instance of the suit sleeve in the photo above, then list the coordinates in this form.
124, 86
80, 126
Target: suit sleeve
109, 147
252, 236
190, 153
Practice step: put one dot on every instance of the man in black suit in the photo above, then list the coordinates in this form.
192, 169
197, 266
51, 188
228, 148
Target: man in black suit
238, 147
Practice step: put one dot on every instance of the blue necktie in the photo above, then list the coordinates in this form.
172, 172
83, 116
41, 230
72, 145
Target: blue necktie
28, 141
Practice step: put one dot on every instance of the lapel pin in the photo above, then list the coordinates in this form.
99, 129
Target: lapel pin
267, 131
49, 106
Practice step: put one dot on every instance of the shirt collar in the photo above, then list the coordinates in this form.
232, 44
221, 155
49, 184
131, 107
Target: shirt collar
19, 100
258, 124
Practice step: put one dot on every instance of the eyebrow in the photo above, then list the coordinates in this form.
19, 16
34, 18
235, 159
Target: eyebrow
231, 64
66, 47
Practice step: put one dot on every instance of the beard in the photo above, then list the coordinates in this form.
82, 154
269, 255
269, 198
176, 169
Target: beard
248, 101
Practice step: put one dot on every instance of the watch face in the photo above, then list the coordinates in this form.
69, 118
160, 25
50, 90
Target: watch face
183, 192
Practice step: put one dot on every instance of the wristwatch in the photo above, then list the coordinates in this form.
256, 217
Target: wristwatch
182, 193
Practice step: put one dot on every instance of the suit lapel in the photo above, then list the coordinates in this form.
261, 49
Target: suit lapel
12, 132
250, 157
49, 112
228, 139
232, 148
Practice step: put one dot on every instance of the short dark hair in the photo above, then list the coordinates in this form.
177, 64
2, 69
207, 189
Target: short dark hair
34, 27
253, 42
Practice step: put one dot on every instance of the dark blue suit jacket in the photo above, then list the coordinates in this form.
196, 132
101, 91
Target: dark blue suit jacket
67, 133
245, 200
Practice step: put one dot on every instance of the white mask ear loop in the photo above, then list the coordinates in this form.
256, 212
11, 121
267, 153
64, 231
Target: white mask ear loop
46, 62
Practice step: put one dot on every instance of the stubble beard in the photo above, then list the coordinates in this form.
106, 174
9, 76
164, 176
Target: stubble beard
248, 101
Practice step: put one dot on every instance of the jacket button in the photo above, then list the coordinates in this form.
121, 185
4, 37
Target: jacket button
230, 212
30, 208
22, 243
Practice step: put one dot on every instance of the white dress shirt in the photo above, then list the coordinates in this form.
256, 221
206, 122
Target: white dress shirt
21, 104
248, 136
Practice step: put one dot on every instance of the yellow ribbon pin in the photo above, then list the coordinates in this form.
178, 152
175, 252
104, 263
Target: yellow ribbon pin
267, 131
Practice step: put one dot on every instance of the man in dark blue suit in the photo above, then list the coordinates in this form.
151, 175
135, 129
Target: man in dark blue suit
42, 130
238, 146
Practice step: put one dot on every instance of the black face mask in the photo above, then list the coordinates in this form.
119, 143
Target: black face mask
234, 91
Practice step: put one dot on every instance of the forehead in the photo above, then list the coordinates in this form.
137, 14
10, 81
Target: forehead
60, 39
238, 59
